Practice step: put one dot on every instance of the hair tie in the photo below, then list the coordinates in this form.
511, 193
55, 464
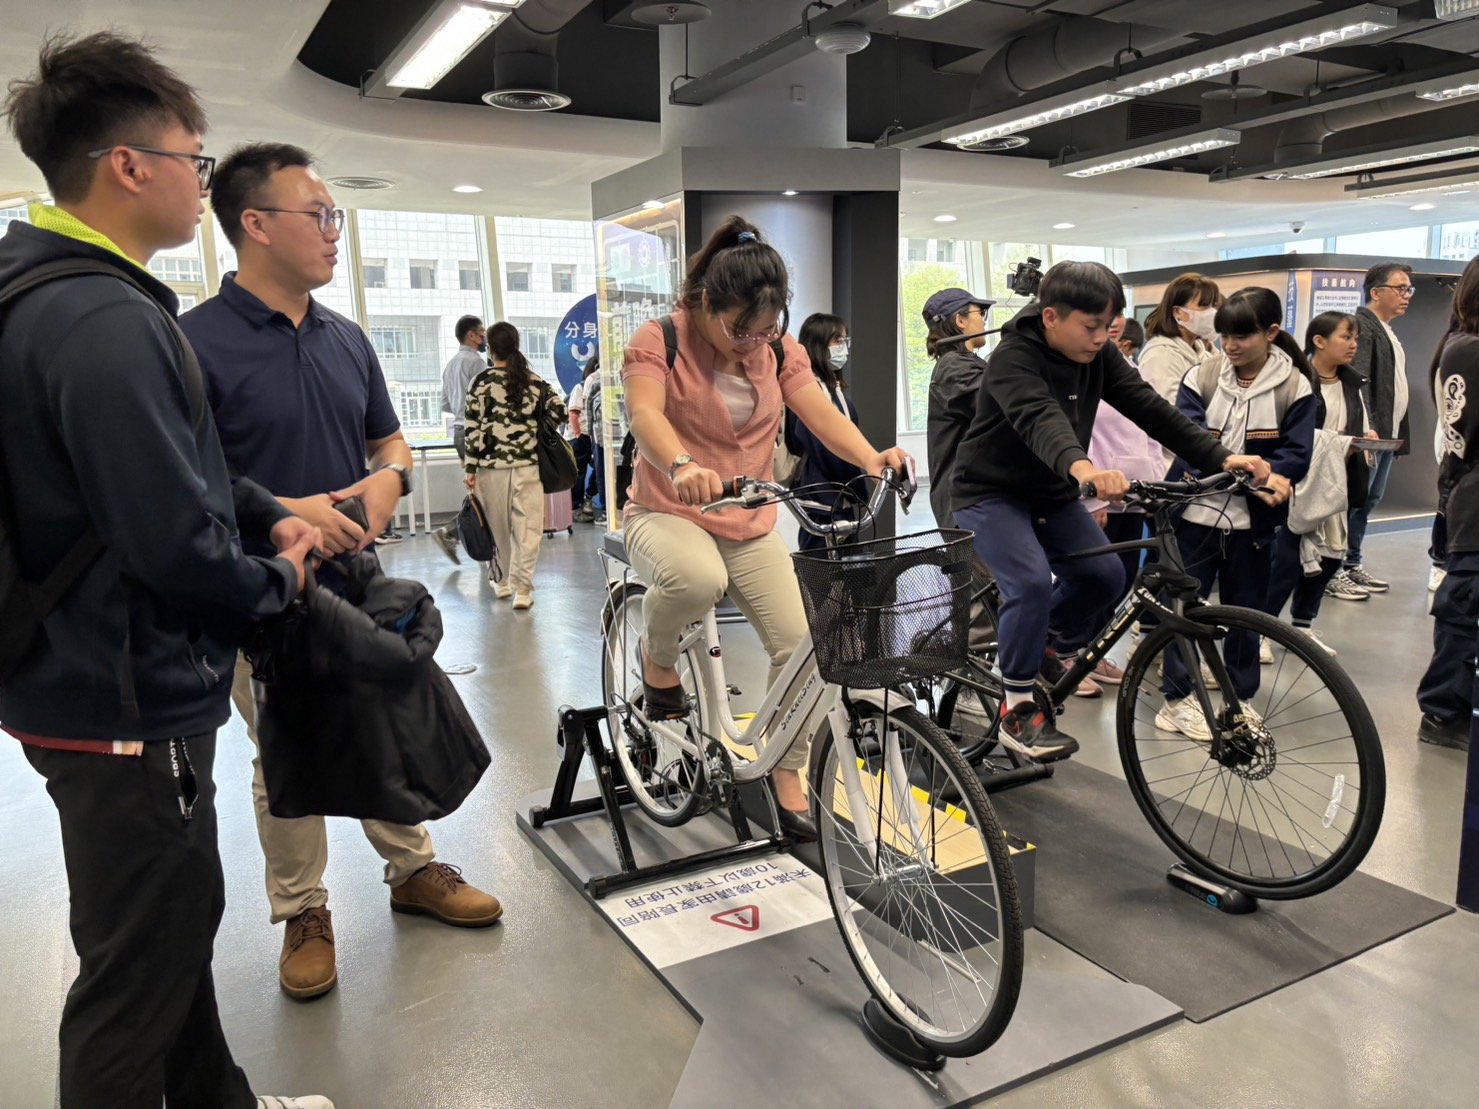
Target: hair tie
747, 237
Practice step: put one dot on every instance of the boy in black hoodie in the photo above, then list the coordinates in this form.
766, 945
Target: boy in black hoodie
103, 431
1020, 467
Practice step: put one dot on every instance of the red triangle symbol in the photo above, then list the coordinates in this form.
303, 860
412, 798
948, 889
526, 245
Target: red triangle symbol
746, 918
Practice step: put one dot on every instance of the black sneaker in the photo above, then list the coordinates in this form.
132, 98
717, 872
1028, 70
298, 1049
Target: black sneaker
1028, 731
388, 536
1444, 733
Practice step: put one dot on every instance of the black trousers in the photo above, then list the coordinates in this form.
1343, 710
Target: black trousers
584, 451
1289, 584
1447, 687
140, 1025
1239, 567
1126, 527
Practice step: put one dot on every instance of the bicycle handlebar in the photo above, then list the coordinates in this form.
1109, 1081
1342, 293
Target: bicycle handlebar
1185, 489
750, 493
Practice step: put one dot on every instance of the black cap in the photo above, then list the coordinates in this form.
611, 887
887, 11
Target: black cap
948, 303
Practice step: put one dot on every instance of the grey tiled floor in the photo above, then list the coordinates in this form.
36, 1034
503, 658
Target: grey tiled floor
549, 1009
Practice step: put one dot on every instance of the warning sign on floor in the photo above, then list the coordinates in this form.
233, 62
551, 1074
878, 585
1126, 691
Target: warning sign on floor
711, 910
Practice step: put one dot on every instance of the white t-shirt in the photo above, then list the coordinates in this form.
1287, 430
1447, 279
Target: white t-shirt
739, 397
1334, 405
1399, 401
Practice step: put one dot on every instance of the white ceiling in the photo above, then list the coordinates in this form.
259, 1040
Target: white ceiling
241, 56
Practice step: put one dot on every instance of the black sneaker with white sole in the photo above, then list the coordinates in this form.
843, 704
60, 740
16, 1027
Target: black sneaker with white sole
1371, 584
1029, 731
1444, 733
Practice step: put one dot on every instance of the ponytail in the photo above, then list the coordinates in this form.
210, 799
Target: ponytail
737, 269
503, 344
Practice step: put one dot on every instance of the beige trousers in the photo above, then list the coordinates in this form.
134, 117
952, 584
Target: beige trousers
687, 571
515, 503
297, 851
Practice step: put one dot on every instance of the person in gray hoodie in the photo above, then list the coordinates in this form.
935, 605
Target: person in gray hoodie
1179, 335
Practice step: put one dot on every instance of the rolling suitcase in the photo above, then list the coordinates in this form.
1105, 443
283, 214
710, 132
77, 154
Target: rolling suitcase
558, 513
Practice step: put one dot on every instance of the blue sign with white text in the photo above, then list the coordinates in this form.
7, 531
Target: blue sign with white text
576, 342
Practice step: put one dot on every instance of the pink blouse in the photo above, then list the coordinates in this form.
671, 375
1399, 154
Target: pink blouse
697, 410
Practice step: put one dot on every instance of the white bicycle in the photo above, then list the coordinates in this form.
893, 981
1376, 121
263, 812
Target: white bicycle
923, 890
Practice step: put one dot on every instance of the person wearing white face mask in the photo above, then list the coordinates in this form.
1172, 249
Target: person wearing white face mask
1179, 334
827, 344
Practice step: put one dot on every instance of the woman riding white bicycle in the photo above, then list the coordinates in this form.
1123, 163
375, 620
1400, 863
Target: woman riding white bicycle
702, 414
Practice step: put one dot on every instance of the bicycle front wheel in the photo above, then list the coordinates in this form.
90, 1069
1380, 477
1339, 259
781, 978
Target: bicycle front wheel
1280, 793
923, 891
666, 779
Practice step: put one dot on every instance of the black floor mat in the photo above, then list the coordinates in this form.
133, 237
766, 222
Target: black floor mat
1102, 891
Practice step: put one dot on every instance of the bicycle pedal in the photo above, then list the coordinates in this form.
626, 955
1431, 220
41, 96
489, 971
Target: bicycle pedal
735, 691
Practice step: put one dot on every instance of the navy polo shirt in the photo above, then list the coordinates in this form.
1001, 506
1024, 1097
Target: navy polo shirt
294, 406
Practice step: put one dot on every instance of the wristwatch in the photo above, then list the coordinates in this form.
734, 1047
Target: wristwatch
405, 476
681, 460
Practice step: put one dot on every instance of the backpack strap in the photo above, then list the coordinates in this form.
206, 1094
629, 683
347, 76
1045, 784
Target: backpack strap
669, 339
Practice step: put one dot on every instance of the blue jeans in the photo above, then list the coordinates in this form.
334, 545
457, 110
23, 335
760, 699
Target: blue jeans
1380, 473
1025, 545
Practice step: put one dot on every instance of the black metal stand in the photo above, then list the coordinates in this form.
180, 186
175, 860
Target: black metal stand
896, 1041
1214, 894
579, 736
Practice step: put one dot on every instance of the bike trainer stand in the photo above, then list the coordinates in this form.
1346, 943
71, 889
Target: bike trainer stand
1211, 892
580, 736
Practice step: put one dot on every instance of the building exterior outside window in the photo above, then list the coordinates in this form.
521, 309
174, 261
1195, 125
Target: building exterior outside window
562, 277
423, 273
549, 265
469, 276
374, 271
518, 277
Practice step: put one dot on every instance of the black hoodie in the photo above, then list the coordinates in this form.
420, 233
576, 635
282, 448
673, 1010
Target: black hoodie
96, 428
1035, 416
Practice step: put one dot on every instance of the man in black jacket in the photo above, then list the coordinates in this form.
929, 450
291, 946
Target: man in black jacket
1382, 362
1020, 467
118, 701
957, 329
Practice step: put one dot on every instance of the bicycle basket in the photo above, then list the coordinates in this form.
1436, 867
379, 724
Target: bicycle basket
891, 610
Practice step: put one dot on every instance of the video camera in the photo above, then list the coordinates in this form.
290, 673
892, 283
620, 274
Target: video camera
1026, 278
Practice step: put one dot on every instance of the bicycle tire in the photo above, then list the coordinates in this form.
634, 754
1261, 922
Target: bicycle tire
880, 912
975, 741
1281, 813
668, 786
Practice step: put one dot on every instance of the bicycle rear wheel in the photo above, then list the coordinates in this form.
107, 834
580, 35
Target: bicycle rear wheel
971, 716
1283, 802
666, 779
923, 891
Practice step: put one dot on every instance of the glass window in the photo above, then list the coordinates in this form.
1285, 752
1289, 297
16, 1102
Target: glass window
374, 271
469, 276
1458, 242
393, 341
8, 214
518, 277
1402, 242
423, 274
917, 250
182, 268
536, 340
919, 280
562, 278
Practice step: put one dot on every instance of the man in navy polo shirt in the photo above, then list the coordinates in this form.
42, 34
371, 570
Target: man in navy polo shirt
300, 402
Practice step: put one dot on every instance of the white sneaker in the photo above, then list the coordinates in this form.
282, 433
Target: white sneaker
308, 1101
1184, 716
503, 591
1207, 679
1329, 650
1435, 577
523, 600
1266, 652
1343, 588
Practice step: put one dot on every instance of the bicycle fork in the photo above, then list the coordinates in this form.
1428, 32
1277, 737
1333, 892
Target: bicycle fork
843, 729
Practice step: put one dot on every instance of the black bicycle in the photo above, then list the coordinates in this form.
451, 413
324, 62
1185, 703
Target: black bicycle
1276, 789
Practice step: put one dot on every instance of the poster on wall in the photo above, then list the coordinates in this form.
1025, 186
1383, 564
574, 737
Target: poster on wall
1335, 291
576, 342
1291, 302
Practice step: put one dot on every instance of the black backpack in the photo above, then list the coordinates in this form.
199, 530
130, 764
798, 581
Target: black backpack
24, 604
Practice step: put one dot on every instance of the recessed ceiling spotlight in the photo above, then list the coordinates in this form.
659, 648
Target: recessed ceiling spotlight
1216, 234
1064, 226
945, 218
651, 204
1424, 207
467, 188
789, 192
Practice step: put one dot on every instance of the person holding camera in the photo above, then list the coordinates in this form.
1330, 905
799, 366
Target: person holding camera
301, 403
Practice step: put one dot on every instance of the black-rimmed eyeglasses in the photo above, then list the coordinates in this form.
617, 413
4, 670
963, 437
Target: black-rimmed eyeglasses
329, 219
205, 165
1400, 290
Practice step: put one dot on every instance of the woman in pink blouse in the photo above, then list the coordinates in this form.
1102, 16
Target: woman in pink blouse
712, 417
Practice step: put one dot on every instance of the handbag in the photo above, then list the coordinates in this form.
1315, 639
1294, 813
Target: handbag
557, 470
476, 535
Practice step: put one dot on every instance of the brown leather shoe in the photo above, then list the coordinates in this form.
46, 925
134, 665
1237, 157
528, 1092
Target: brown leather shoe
439, 890
306, 969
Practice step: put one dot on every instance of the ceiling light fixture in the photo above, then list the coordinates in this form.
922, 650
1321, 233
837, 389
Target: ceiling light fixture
1295, 38
842, 38
443, 37
1216, 234
1454, 9
1451, 182
1064, 226
1051, 110
922, 9
1162, 150
652, 205
1398, 156
945, 218
1441, 91
788, 192
467, 188
1423, 207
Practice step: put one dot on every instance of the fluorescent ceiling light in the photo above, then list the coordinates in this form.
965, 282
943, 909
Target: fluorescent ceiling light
1216, 234
1360, 163
1028, 116
1455, 9
922, 9
1295, 38
445, 35
1441, 90
788, 192
945, 218
467, 188
1064, 226
1454, 181
1147, 153
1423, 207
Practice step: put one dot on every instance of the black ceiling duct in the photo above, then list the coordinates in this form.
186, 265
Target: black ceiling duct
526, 73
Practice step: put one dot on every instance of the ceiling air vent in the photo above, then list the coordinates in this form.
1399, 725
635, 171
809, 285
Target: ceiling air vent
527, 100
1147, 118
367, 184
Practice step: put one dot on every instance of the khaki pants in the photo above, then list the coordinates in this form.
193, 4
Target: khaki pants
687, 571
297, 851
515, 503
